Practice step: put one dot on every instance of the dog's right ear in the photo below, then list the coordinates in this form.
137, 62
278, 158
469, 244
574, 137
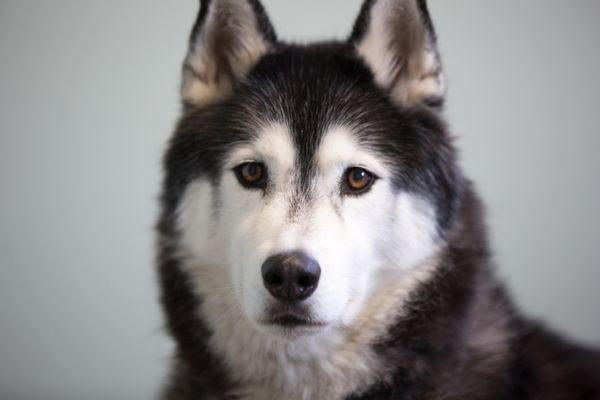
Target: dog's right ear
228, 39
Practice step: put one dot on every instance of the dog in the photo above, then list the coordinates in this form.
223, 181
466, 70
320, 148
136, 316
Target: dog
318, 238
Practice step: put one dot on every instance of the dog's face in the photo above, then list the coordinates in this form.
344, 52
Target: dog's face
305, 179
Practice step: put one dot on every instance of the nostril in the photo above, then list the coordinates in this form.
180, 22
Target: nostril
273, 279
305, 281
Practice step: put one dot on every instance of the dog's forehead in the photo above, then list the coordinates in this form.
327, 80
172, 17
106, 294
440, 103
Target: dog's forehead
317, 103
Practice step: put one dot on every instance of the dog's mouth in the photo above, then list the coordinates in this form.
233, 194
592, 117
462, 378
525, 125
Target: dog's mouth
291, 318
293, 321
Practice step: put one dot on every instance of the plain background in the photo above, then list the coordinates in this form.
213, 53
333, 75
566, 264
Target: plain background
88, 97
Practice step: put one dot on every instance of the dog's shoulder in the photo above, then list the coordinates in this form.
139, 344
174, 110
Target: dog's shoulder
550, 367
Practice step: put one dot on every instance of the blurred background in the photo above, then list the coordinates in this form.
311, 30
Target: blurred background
89, 95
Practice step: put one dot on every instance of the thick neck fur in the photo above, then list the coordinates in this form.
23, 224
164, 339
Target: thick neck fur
455, 342
431, 336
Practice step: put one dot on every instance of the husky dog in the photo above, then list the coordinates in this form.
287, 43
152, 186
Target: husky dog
318, 239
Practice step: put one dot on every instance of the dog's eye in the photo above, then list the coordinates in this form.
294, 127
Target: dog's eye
251, 175
358, 180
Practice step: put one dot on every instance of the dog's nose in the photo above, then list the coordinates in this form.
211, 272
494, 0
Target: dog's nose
291, 277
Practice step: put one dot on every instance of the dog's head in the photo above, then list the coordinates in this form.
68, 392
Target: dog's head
304, 179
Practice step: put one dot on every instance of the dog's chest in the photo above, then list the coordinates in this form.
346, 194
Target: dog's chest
326, 366
325, 370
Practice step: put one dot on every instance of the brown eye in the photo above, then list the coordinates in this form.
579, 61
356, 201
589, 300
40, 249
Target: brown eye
358, 180
251, 174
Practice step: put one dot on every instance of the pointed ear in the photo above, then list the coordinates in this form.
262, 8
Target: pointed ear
228, 39
397, 41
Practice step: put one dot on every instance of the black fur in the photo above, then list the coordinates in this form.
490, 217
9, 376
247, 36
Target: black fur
462, 338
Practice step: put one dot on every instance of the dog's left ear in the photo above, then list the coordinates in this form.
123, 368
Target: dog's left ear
397, 41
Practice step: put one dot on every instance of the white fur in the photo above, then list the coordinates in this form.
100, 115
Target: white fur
373, 250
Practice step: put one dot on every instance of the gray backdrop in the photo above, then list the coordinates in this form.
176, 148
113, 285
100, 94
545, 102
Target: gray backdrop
88, 97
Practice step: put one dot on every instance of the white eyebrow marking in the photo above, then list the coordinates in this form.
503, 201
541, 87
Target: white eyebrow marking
339, 148
273, 145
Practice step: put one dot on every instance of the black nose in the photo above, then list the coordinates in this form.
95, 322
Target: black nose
291, 277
